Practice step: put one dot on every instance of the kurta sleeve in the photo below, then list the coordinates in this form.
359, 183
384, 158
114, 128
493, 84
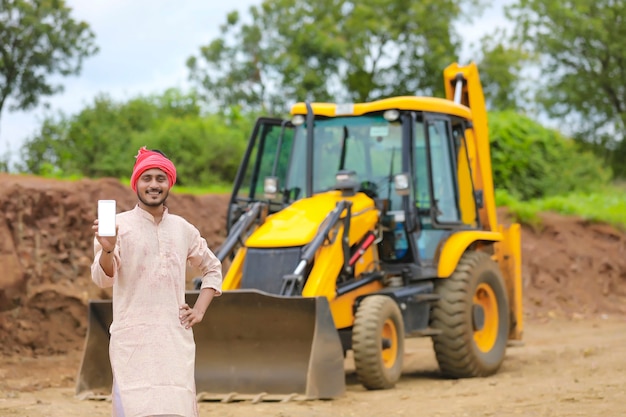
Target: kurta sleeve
203, 258
98, 275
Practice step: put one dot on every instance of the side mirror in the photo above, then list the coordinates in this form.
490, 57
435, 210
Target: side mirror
402, 183
270, 187
480, 200
345, 181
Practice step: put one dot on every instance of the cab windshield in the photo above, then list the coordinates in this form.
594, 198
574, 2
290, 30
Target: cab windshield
370, 146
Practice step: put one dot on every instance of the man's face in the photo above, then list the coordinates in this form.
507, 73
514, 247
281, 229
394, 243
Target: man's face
153, 187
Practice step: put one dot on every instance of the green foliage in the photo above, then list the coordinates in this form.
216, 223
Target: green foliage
5, 161
608, 148
96, 141
294, 50
582, 50
45, 148
605, 205
102, 140
531, 161
523, 212
204, 149
501, 68
608, 206
50, 171
215, 188
39, 39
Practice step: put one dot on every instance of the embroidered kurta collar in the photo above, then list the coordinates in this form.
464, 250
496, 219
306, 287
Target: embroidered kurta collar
143, 213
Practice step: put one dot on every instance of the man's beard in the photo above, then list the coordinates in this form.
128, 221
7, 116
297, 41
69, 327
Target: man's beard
153, 203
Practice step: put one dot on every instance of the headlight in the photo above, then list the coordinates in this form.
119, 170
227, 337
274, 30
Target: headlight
391, 115
297, 120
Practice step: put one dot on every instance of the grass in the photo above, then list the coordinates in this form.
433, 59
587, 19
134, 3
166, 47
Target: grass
211, 189
606, 205
216, 188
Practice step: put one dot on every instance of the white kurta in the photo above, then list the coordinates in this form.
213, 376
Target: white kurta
152, 354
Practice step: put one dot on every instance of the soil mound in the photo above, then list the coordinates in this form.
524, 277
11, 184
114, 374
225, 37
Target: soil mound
573, 267
46, 251
570, 267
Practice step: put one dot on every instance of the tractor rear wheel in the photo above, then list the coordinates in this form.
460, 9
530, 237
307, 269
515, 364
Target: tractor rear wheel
473, 317
378, 342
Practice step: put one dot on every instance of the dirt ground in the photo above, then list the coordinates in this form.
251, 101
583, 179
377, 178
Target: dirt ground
565, 368
572, 361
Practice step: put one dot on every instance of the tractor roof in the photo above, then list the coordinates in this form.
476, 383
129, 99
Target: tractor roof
429, 104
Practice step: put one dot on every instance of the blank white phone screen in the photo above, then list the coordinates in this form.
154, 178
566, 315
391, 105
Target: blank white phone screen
106, 217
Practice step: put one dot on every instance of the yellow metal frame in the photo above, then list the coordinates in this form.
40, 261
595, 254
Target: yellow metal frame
472, 97
509, 255
507, 247
457, 245
428, 104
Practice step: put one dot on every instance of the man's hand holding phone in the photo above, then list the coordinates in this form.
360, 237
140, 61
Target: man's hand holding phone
106, 229
105, 225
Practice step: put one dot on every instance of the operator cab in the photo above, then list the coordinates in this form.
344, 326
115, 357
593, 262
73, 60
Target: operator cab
414, 164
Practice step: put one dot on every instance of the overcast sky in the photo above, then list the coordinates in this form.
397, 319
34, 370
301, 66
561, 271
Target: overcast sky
143, 48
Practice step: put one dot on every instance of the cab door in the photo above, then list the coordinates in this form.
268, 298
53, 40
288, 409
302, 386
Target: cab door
444, 194
267, 155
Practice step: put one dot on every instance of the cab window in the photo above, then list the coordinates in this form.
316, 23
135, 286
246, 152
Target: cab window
443, 169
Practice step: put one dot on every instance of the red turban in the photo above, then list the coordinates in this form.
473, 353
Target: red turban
147, 159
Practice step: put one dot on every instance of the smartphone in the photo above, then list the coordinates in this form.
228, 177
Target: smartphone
106, 217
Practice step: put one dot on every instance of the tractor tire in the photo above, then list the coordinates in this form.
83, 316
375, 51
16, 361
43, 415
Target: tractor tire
473, 317
378, 342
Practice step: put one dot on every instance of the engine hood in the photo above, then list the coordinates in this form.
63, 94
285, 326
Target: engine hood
297, 224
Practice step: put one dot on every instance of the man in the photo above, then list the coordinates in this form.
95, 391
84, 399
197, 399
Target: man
152, 348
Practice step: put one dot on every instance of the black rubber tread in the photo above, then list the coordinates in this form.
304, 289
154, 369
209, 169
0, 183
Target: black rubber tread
455, 348
370, 317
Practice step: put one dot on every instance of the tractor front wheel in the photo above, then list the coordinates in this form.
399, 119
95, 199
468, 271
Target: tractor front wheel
378, 342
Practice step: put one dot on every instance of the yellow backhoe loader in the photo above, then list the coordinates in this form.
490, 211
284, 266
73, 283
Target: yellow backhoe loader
350, 228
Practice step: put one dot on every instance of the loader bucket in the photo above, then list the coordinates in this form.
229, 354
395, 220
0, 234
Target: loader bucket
95, 377
250, 346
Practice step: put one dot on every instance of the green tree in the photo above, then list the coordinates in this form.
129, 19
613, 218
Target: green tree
582, 46
39, 39
532, 161
103, 138
205, 149
45, 148
501, 63
5, 162
96, 142
293, 50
